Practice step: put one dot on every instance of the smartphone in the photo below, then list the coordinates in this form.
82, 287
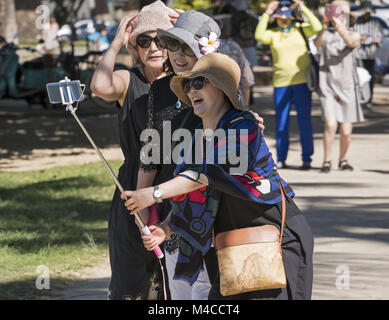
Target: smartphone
333, 11
70, 90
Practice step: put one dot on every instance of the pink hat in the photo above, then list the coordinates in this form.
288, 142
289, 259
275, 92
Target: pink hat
152, 17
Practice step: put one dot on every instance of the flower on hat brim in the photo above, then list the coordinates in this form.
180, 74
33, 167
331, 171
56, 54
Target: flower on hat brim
210, 44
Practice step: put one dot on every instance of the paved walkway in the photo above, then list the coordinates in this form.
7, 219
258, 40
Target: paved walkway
348, 211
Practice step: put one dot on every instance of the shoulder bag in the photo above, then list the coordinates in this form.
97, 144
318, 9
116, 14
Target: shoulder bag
250, 259
313, 69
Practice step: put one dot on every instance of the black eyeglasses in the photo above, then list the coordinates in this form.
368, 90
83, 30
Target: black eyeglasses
144, 41
196, 83
174, 44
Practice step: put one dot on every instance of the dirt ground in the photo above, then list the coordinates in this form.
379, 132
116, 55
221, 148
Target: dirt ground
32, 138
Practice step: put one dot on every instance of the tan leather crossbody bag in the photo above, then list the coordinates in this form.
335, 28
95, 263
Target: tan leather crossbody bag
250, 259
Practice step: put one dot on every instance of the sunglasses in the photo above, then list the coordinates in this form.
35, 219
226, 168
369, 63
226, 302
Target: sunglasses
174, 44
144, 41
196, 83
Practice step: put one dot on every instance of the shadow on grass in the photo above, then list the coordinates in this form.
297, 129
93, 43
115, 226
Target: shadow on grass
24, 134
91, 289
54, 213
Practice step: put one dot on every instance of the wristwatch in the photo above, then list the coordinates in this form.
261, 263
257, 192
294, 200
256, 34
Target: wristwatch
157, 194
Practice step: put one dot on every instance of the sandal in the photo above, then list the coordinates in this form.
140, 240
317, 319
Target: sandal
344, 165
326, 167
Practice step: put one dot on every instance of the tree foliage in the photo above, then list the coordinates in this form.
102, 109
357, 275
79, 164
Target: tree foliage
258, 6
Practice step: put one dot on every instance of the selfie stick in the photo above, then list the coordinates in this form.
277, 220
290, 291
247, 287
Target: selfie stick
69, 107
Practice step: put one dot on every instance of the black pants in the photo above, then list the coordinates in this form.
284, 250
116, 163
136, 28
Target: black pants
297, 252
369, 66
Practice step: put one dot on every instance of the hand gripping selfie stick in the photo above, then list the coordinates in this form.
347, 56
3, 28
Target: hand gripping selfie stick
68, 101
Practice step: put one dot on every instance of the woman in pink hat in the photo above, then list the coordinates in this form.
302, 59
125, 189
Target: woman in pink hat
135, 272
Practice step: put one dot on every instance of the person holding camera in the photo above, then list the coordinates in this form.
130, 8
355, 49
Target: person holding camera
371, 30
339, 93
290, 63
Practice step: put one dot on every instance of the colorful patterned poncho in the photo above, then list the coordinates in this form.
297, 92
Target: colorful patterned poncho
193, 214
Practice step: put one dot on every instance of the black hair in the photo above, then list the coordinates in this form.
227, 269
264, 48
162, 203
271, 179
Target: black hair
167, 67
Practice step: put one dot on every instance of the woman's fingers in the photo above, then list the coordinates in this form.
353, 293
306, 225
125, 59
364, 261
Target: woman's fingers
149, 242
260, 121
130, 18
179, 11
126, 194
129, 202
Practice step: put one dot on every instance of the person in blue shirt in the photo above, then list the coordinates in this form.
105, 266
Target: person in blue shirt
99, 38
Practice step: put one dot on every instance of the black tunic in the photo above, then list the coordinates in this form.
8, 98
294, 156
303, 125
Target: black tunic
135, 271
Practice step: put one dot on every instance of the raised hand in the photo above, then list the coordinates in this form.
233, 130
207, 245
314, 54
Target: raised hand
338, 23
174, 17
326, 23
124, 30
299, 2
260, 121
272, 7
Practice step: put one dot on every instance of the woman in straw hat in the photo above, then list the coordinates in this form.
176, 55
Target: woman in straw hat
135, 272
193, 35
211, 194
339, 88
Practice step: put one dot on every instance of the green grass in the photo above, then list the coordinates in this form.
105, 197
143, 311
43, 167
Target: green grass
33, 43
55, 217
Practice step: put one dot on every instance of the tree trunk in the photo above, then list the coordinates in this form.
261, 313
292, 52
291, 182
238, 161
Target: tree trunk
10, 27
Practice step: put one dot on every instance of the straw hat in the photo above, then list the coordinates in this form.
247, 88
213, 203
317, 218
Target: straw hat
150, 18
222, 71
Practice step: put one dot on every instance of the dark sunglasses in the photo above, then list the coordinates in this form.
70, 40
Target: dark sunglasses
174, 44
144, 41
196, 83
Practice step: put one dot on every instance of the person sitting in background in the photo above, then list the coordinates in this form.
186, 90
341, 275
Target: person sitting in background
290, 63
49, 43
99, 39
339, 91
371, 30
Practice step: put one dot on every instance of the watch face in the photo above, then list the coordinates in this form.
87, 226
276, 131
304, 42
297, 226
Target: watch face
157, 193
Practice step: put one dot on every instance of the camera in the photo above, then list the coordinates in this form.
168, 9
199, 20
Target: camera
65, 91
284, 3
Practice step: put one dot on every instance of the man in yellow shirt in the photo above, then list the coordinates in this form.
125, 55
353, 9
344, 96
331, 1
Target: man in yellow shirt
290, 63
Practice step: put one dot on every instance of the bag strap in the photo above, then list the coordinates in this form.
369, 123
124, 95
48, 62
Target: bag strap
283, 210
305, 38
